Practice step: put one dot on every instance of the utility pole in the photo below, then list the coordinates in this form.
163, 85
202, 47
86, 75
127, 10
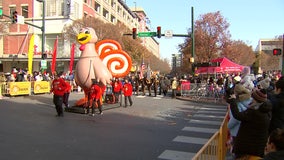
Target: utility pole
192, 36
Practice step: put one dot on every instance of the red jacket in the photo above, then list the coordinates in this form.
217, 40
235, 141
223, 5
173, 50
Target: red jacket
58, 87
127, 89
68, 87
96, 92
117, 86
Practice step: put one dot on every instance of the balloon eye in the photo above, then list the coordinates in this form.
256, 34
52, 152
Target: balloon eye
87, 32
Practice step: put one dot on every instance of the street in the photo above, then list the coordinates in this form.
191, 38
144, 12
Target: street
153, 128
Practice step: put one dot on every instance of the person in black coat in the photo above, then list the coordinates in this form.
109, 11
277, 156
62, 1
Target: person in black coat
253, 132
274, 149
277, 119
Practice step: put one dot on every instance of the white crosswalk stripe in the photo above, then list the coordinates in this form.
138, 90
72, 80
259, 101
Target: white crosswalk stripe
209, 119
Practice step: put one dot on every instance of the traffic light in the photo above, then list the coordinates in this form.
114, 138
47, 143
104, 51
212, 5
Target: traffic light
159, 32
276, 51
134, 33
15, 17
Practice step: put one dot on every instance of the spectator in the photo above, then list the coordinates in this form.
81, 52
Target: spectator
127, 91
174, 87
58, 88
253, 132
243, 101
277, 119
274, 149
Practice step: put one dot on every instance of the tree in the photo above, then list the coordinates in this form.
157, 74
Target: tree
239, 52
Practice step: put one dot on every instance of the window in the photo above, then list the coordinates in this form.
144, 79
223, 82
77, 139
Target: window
12, 9
113, 19
25, 11
97, 7
54, 8
105, 13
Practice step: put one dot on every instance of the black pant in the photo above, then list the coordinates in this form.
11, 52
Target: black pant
129, 99
116, 94
99, 105
58, 101
66, 99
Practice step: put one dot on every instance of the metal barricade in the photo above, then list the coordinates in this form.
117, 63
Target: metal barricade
216, 147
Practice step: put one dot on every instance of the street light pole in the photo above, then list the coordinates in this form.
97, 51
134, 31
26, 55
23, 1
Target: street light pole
192, 35
43, 28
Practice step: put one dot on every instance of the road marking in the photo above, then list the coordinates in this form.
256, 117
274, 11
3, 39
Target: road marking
205, 122
197, 129
209, 116
194, 140
176, 155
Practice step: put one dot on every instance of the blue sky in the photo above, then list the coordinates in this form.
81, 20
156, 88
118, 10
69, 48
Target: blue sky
250, 20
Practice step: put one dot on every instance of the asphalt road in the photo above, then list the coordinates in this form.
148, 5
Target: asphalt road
153, 128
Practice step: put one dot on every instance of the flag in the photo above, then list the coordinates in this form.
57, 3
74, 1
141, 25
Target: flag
53, 64
142, 68
31, 54
72, 57
149, 72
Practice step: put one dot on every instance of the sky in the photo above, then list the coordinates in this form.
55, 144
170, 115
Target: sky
250, 20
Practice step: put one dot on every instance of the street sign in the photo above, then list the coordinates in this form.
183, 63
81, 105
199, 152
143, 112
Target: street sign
43, 64
1, 12
147, 34
20, 19
169, 33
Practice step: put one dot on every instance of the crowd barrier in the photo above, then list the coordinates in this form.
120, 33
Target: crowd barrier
24, 88
216, 147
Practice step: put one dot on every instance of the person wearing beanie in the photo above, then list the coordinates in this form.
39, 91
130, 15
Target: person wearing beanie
243, 100
252, 135
277, 119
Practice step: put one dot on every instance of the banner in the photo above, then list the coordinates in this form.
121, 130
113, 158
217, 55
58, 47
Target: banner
20, 88
72, 58
53, 63
41, 87
30, 55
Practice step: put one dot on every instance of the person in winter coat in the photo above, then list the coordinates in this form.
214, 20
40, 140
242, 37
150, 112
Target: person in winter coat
174, 87
66, 94
274, 149
253, 132
243, 100
117, 87
58, 87
96, 97
127, 91
277, 119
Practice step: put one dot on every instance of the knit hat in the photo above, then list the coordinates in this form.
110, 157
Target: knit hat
237, 78
259, 95
264, 84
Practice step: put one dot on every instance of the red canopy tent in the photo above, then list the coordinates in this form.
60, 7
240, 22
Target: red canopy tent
226, 66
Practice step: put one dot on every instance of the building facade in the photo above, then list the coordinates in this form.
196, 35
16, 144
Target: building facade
58, 13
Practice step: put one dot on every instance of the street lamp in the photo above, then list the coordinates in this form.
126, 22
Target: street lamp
42, 27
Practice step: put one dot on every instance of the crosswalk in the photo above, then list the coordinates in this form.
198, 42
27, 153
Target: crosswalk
201, 126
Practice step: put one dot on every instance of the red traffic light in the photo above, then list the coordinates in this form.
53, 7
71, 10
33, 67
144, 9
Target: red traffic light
134, 33
15, 17
276, 51
159, 34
